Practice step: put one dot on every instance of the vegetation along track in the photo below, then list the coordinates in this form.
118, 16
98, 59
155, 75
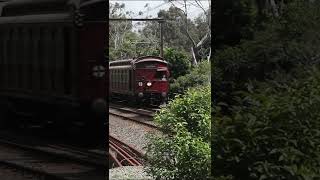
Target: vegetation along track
140, 116
51, 162
122, 154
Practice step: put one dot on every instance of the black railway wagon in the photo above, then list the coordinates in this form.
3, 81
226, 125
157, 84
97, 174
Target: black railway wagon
52, 60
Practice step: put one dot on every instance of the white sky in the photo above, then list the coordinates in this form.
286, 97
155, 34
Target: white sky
156, 5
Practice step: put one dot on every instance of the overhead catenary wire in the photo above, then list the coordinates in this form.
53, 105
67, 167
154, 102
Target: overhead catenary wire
151, 9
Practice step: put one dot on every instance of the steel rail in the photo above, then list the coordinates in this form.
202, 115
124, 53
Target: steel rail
139, 153
114, 159
32, 170
125, 154
46, 160
136, 111
128, 153
135, 120
55, 154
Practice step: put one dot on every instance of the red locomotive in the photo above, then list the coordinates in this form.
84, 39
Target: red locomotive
141, 79
52, 60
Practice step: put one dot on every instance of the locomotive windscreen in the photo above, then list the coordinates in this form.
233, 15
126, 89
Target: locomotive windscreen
94, 11
39, 8
147, 65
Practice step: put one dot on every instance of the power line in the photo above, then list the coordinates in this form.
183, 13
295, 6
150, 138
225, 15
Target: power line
153, 8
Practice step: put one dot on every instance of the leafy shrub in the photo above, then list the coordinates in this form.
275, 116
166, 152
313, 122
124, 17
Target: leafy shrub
184, 150
287, 42
179, 61
266, 120
199, 76
274, 132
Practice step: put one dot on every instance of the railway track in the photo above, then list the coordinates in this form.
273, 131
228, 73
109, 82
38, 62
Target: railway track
53, 161
138, 116
145, 111
123, 154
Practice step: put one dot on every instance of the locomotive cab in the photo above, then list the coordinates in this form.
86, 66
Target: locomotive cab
152, 74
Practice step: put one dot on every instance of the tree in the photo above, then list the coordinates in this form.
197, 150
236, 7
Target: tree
179, 62
273, 131
195, 48
120, 33
180, 31
198, 76
266, 97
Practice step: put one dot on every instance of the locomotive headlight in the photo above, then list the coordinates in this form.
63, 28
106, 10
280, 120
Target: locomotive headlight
149, 84
140, 83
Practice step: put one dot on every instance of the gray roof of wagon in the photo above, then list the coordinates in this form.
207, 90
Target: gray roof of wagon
16, 5
147, 58
77, 3
137, 60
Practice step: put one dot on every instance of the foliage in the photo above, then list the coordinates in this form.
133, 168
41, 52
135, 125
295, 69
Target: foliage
174, 29
287, 42
266, 99
274, 131
125, 43
198, 76
234, 20
179, 62
121, 37
184, 151
126, 49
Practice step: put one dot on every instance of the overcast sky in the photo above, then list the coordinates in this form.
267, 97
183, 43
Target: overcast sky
154, 6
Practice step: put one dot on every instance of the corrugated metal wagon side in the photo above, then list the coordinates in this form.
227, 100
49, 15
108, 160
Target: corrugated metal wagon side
48, 55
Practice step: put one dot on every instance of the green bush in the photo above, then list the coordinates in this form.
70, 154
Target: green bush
199, 76
273, 132
179, 62
287, 42
184, 150
266, 120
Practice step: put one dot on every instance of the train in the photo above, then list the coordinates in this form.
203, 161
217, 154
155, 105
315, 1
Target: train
53, 63
143, 80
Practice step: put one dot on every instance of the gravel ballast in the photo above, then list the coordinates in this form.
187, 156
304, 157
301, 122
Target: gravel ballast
128, 173
129, 132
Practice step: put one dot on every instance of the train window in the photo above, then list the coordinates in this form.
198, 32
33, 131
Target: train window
125, 76
94, 10
161, 75
117, 78
122, 76
35, 8
114, 78
130, 80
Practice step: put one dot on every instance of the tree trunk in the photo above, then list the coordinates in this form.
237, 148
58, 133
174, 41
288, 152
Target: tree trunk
209, 55
274, 8
195, 56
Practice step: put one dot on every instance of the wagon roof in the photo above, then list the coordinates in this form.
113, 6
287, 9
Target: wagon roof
121, 62
76, 3
137, 60
150, 58
59, 11
47, 1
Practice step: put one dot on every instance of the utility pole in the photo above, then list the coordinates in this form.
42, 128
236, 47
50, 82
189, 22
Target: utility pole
159, 20
161, 38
